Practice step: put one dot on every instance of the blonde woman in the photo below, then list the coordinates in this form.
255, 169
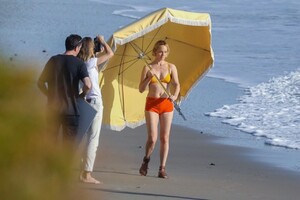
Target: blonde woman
93, 60
159, 107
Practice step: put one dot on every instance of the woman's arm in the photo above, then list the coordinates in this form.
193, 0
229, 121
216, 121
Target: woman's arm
106, 54
175, 82
146, 76
87, 85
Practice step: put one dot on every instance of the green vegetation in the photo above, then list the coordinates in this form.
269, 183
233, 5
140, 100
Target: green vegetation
32, 166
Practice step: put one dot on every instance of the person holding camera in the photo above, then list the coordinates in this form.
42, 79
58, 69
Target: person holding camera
93, 53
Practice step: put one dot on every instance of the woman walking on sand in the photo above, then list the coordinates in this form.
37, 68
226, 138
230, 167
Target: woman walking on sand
93, 60
159, 107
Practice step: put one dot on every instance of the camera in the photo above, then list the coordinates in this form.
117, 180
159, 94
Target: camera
97, 45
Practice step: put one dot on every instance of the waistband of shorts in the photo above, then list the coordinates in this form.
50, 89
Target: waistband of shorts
156, 98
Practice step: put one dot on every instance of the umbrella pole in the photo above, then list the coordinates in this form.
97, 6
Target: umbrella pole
176, 106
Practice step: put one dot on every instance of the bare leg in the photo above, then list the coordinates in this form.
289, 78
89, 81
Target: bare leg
165, 128
152, 123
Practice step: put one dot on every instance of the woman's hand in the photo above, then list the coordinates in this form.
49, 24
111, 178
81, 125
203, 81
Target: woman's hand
172, 98
150, 74
100, 38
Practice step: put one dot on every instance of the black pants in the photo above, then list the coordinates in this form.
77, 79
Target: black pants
70, 127
69, 124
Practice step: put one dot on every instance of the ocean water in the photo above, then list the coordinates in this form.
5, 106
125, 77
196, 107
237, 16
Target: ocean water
256, 47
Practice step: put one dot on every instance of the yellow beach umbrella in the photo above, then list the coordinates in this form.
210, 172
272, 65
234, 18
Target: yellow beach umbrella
189, 37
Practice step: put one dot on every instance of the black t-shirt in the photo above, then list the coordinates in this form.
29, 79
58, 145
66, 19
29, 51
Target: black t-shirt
62, 73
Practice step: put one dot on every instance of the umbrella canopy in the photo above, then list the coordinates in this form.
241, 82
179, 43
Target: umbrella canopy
189, 37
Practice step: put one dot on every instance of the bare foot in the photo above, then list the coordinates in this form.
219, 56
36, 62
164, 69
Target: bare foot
89, 179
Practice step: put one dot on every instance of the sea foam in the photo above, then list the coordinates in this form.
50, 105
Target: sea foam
270, 110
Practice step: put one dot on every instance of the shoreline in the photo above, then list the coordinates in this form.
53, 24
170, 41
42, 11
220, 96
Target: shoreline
208, 101
198, 167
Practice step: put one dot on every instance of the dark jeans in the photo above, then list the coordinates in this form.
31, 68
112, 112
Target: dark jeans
70, 127
69, 124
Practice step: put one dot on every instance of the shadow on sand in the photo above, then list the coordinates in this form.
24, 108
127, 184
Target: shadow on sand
148, 194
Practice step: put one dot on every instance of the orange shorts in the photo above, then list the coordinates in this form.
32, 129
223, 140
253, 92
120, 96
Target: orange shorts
159, 105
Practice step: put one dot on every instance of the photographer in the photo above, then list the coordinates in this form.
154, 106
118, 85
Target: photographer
93, 53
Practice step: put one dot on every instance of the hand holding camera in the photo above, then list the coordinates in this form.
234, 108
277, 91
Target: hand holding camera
98, 43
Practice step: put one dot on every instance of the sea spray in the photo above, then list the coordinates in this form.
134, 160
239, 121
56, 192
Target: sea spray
270, 110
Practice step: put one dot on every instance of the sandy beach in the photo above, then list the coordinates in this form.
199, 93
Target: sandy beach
199, 168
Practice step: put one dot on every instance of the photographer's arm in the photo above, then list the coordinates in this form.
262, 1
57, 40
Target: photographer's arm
107, 54
42, 82
87, 85
42, 86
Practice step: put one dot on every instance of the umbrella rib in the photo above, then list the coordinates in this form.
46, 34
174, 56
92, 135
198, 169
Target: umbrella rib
125, 55
139, 51
143, 40
188, 44
132, 61
127, 67
153, 37
121, 90
118, 65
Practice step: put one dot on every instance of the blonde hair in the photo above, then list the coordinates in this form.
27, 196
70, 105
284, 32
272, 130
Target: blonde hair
87, 49
159, 43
